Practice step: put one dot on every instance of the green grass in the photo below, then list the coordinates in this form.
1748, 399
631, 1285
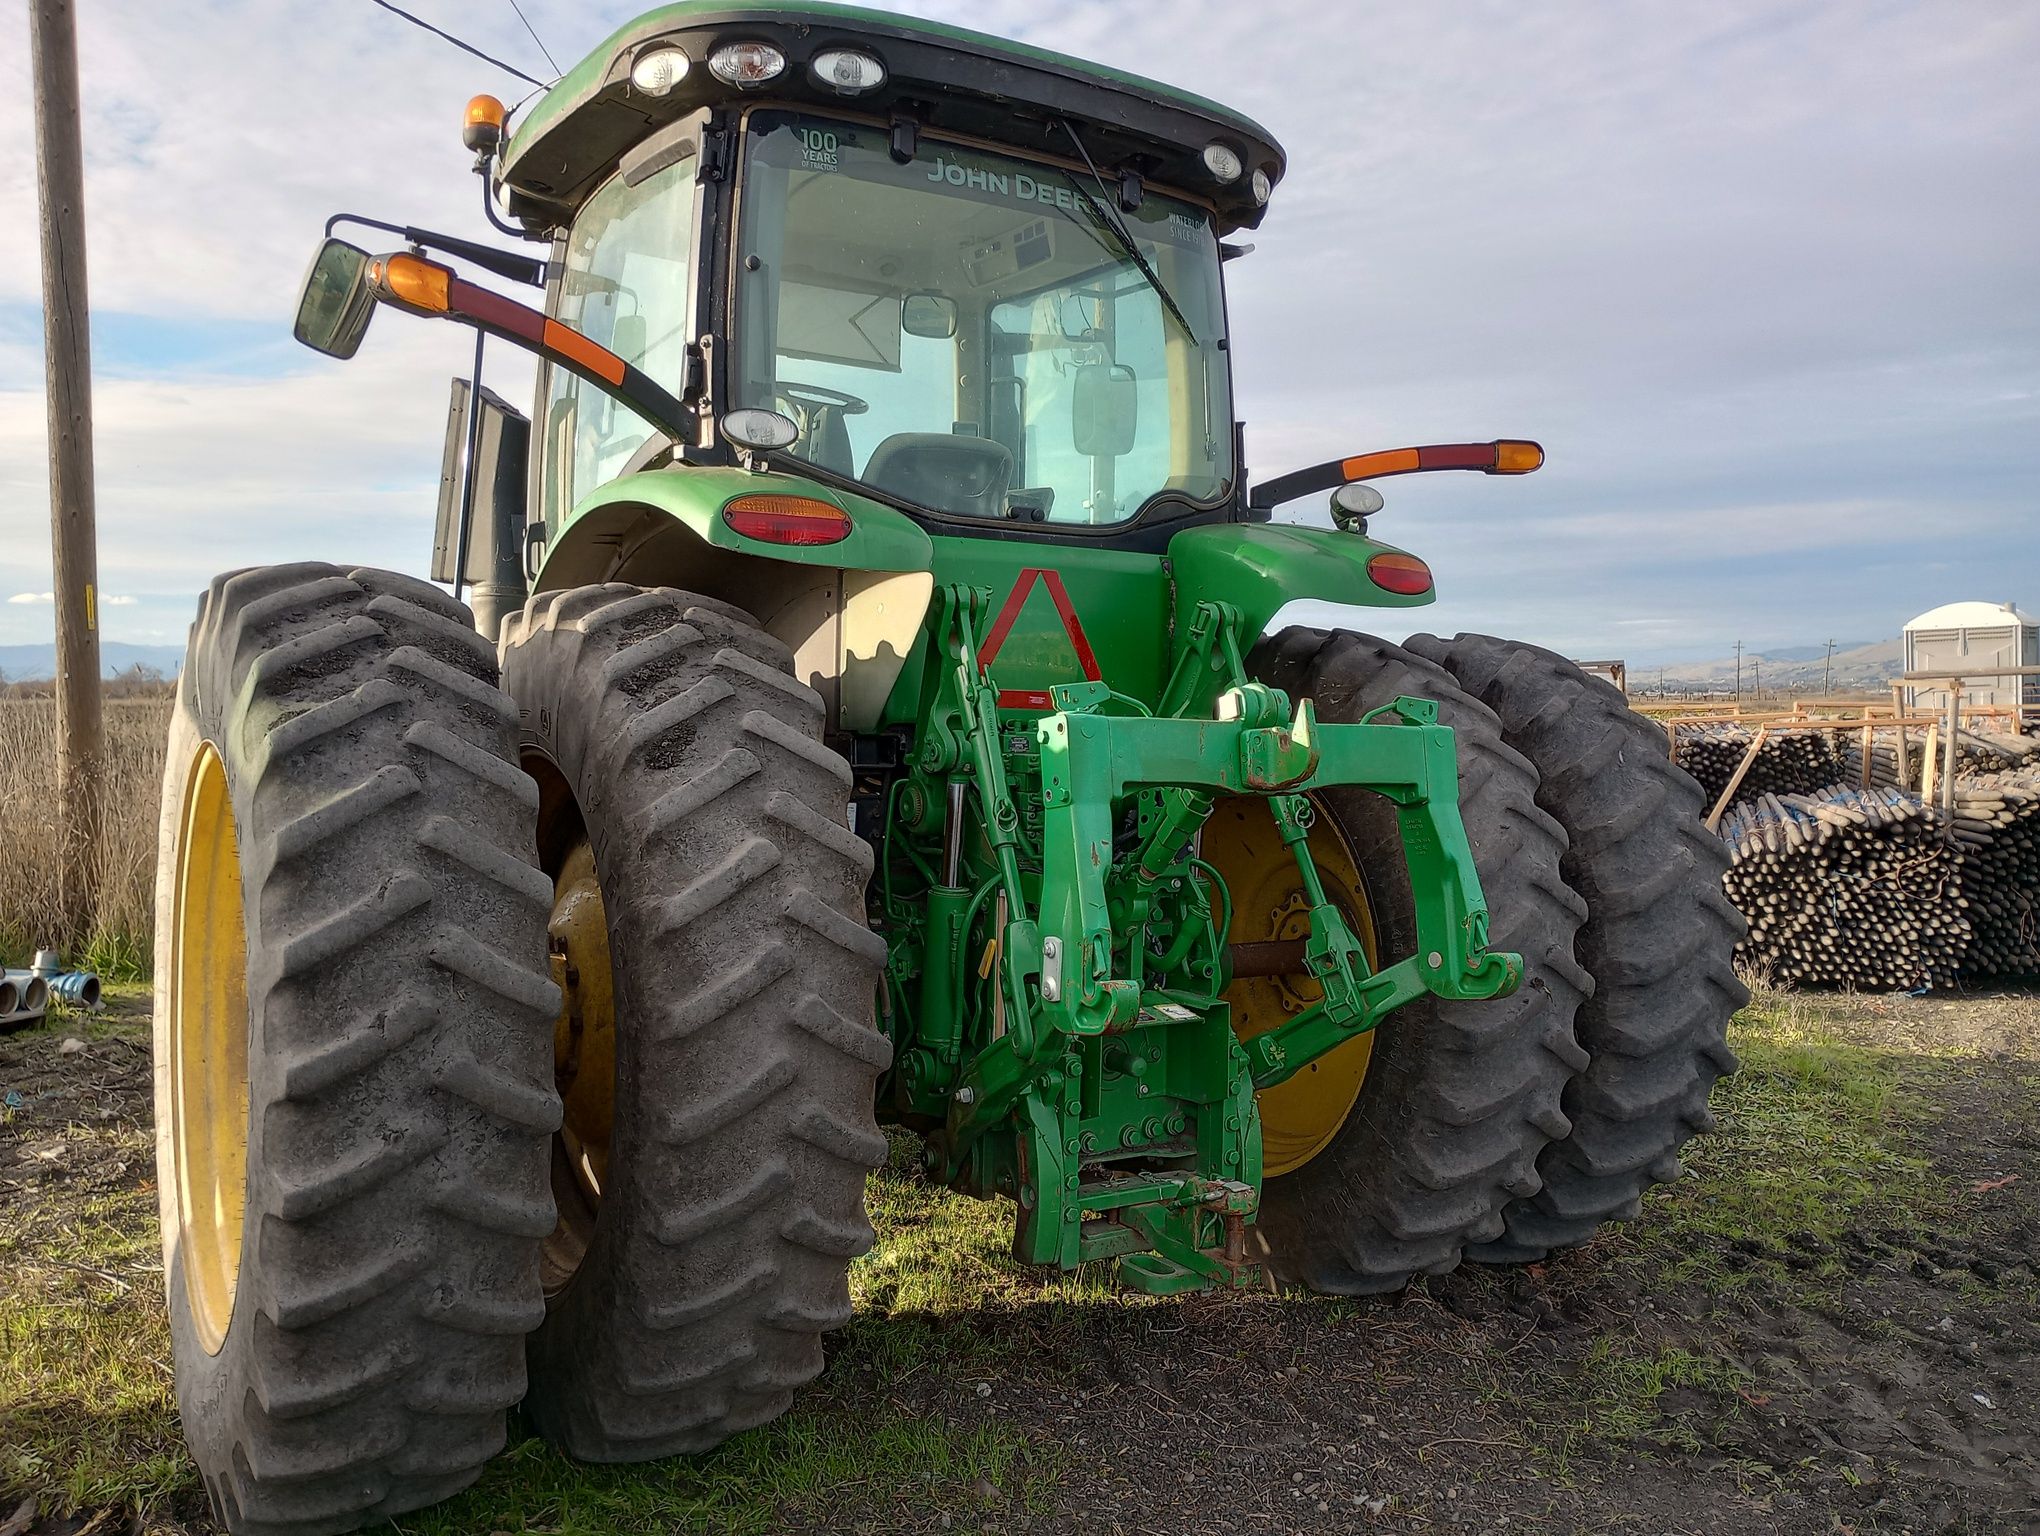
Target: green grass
802, 1470
86, 1408
1623, 1386
1816, 1141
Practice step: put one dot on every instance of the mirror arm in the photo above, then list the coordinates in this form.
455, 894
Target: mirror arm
483, 159
505, 264
1505, 457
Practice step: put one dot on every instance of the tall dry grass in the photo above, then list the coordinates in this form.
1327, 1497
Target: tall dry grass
124, 859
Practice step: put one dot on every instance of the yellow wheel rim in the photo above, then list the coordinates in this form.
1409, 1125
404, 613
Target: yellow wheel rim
584, 1058
1300, 1117
209, 1050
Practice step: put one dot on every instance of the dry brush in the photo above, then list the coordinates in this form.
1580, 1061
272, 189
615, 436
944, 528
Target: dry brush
123, 856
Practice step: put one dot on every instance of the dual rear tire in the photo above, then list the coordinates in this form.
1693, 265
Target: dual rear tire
672, 744
1501, 1131
356, 1112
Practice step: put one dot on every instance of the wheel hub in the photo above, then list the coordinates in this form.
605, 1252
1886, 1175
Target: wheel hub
1299, 1117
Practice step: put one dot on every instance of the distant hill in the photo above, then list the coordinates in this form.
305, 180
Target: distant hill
1857, 667
35, 663
1786, 653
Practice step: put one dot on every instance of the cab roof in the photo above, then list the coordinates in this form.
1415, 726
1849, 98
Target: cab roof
948, 79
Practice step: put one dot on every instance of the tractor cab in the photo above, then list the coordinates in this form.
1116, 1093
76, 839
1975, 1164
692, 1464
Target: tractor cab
976, 337
979, 288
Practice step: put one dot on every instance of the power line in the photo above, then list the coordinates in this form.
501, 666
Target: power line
555, 63
508, 69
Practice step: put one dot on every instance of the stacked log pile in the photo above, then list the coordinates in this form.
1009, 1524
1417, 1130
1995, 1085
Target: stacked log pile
1997, 829
1873, 889
1850, 888
1976, 752
1884, 768
1788, 763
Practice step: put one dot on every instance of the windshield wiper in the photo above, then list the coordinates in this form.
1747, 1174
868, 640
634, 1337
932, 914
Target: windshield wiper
1109, 215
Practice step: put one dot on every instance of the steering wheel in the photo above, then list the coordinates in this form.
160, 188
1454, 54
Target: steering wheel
816, 395
820, 413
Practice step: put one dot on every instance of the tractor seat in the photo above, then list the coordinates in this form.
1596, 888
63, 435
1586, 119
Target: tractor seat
964, 476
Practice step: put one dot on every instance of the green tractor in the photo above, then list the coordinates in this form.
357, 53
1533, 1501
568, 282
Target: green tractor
866, 717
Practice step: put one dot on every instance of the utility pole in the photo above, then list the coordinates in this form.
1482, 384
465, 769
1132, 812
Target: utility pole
1738, 669
67, 356
1827, 676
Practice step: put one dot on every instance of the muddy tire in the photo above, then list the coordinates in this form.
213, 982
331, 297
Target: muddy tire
1659, 938
1459, 1097
668, 728
353, 1101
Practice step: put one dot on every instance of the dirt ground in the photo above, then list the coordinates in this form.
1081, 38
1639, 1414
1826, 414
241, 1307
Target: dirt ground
1831, 1325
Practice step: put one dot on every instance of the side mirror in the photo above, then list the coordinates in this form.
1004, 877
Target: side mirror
928, 314
338, 303
1104, 410
627, 338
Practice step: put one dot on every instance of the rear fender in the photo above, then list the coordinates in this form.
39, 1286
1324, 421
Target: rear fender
850, 611
1258, 567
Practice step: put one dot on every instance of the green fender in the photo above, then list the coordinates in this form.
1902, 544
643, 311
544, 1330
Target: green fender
1257, 567
849, 611
881, 539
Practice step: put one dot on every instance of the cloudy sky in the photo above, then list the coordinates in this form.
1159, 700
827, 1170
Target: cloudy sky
1764, 278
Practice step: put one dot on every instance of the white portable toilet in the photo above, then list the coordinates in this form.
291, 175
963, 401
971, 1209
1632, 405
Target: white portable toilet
1957, 637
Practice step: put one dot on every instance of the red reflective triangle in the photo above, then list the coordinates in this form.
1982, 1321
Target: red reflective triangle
1002, 626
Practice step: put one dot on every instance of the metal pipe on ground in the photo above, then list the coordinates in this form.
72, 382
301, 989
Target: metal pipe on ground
31, 992
78, 987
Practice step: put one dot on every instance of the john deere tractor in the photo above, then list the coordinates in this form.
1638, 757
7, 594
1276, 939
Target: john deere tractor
868, 716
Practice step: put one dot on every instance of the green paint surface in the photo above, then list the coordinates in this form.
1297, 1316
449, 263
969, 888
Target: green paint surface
1257, 567
1120, 601
881, 539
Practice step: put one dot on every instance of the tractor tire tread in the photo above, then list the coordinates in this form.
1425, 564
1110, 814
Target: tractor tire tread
1460, 1097
735, 897
381, 1083
1660, 936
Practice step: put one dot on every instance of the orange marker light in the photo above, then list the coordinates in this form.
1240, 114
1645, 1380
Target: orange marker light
482, 127
571, 344
1508, 457
1405, 575
1371, 466
787, 519
413, 282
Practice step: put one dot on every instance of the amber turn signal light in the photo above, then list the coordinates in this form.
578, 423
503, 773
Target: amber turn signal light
787, 519
412, 281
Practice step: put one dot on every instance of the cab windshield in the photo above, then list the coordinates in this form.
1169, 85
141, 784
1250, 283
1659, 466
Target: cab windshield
966, 332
